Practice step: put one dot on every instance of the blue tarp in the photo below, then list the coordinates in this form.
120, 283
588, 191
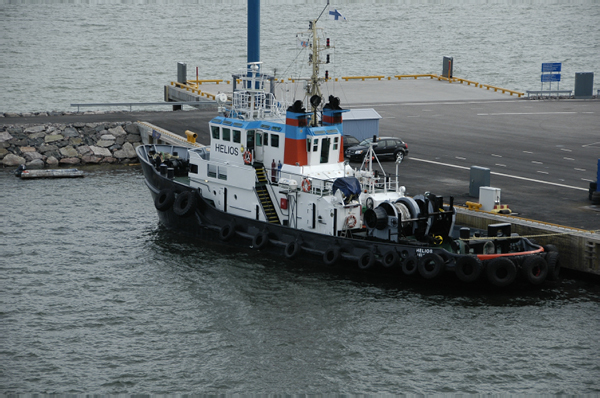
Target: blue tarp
349, 186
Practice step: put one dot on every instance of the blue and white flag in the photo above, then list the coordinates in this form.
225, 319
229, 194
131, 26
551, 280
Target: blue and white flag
336, 15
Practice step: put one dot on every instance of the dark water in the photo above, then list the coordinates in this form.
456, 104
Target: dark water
95, 297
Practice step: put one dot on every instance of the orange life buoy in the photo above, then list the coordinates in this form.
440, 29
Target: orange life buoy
351, 221
306, 185
247, 157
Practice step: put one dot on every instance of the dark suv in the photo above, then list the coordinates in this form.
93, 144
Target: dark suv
384, 147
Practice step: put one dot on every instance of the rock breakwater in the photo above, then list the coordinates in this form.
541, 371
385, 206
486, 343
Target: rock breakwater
54, 145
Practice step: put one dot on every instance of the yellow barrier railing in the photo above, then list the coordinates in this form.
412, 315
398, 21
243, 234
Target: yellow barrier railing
504, 90
400, 77
195, 89
346, 78
200, 81
469, 82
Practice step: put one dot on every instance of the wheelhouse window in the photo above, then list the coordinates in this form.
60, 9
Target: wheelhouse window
335, 143
315, 144
215, 132
194, 168
226, 134
237, 136
266, 139
275, 140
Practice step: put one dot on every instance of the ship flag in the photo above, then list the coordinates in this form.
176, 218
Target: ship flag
336, 15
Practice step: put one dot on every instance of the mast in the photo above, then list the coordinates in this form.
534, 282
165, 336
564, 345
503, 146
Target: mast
313, 88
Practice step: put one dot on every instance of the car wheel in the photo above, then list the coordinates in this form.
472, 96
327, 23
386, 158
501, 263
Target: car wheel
399, 156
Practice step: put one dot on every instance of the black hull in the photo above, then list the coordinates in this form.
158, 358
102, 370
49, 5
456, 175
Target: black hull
203, 221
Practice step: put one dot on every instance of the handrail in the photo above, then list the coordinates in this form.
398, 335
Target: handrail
429, 75
378, 77
504, 90
469, 82
200, 81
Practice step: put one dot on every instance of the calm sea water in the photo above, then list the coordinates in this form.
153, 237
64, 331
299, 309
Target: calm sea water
55, 53
96, 297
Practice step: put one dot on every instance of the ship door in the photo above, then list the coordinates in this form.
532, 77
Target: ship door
259, 149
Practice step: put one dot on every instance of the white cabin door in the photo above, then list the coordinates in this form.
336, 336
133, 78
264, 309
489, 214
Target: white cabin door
259, 149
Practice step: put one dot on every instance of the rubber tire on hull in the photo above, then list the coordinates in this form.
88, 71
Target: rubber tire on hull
260, 240
185, 204
291, 249
430, 266
227, 232
535, 269
331, 255
409, 267
366, 260
468, 268
390, 259
553, 266
164, 200
501, 271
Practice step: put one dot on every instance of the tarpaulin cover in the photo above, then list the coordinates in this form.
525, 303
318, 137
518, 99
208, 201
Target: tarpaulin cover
349, 186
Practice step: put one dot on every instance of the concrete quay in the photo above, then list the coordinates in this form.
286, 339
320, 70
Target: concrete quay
542, 154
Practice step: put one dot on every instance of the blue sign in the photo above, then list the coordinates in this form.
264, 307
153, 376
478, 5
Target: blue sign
155, 134
551, 78
551, 67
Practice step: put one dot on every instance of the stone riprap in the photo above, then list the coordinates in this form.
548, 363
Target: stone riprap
54, 145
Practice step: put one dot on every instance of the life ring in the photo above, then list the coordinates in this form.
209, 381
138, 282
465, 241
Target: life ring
247, 157
390, 258
553, 266
431, 265
535, 269
409, 267
366, 260
331, 255
501, 271
306, 185
185, 204
260, 240
292, 249
164, 200
227, 231
351, 221
468, 268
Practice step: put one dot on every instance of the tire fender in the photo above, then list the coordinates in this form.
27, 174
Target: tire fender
227, 231
409, 267
291, 249
431, 265
468, 268
390, 259
164, 200
331, 255
185, 204
366, 260
553, 266
535, 269
260, 240
501, 271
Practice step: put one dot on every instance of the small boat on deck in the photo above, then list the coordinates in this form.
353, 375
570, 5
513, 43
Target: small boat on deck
274, 179
48, 173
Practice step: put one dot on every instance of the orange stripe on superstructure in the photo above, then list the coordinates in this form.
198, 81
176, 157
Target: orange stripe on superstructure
295, 152
332, 119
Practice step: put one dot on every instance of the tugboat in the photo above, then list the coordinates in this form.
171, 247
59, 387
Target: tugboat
274, 178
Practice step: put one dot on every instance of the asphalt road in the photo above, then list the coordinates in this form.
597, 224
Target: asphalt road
541, 154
